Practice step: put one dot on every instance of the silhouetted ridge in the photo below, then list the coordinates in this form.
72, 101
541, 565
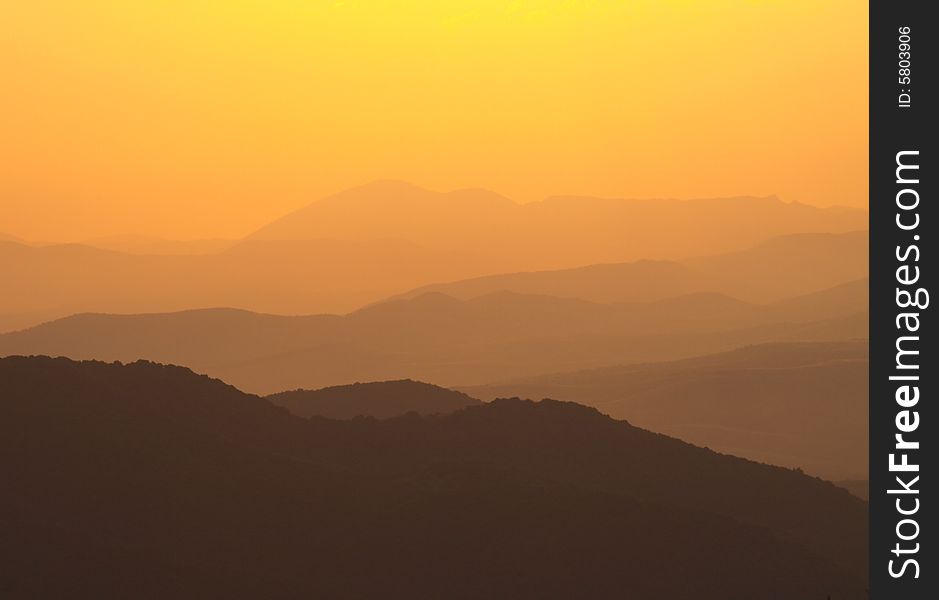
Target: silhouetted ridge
152, 470
381, 399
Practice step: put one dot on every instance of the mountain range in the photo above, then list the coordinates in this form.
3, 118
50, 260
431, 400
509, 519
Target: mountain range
144, 480
286, 277
381, 240
554, 232
778, 268
437, 338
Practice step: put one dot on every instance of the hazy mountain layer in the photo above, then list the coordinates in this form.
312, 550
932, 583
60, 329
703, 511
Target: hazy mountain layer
443, 340
562, 231
781, 267
304, 277
381, 240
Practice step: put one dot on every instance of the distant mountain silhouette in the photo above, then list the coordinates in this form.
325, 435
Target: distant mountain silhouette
145, 480
388, 207
793, 404
553, 233
378, 241
379, 399
440, 339
780, 268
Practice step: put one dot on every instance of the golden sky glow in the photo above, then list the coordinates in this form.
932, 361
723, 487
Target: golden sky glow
208, 118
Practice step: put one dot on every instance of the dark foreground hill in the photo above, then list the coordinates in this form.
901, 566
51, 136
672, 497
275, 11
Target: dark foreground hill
379, 399
149, 481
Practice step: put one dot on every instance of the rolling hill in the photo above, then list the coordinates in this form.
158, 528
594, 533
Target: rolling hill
379, 399
148, 480
793, 404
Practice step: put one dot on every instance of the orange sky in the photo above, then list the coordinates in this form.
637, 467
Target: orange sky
207, 118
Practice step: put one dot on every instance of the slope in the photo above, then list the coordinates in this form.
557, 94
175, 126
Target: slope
125, 473
794, 404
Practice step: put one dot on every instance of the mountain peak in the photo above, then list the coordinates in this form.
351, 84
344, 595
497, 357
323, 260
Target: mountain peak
378, 399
